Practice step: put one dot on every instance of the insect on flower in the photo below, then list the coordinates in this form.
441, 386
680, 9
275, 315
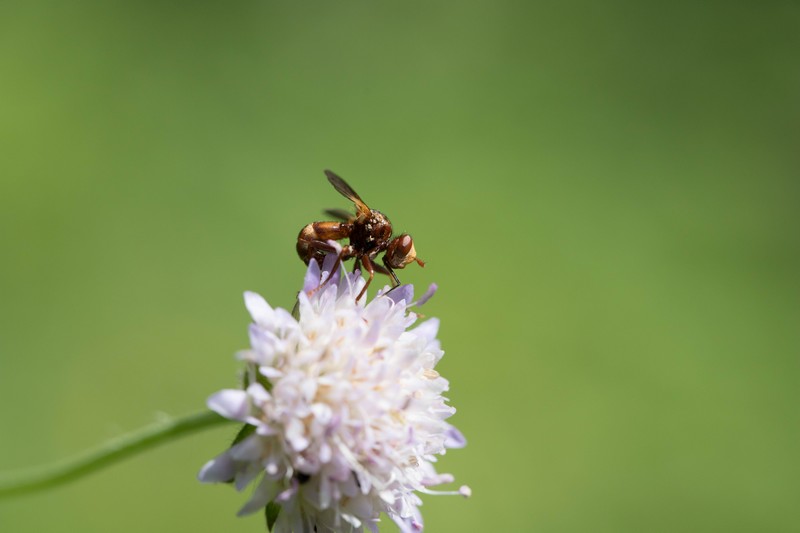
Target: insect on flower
370, 234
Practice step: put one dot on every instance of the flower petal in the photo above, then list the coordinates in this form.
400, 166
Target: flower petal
350, 418
220, 469
259, 309
311, 280
230, 403
454, 438
428, 294
410, 524
403, 292
263, 494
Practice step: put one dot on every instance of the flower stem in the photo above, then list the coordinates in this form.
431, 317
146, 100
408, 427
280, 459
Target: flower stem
49, 476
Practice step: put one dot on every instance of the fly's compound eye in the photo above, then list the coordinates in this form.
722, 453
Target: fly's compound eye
401, 252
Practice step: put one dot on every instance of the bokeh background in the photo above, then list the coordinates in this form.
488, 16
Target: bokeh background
605, 192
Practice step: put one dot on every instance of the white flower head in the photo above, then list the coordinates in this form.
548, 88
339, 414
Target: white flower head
343, 410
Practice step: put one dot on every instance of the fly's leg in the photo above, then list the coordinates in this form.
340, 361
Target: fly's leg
387, 269
369, 266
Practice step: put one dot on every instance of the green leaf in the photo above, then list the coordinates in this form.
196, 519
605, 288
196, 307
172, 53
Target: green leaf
260, 378
271, 513
263, 381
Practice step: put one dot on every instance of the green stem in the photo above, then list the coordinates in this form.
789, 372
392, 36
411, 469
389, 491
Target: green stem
49, 476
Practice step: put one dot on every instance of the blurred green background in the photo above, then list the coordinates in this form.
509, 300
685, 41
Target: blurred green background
605, 192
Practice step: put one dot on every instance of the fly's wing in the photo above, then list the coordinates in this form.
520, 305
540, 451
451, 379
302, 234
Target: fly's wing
347, 191
340, 214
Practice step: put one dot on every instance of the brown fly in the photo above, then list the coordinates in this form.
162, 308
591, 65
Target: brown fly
370, 234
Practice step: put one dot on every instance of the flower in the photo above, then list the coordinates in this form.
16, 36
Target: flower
343, 409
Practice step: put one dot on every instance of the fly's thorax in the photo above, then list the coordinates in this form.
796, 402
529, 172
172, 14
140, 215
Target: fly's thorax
372, 234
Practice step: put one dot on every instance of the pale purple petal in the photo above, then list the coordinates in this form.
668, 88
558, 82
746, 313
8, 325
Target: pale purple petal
270, 372
411, 524
454, 438
284, 319
427, 330
246, 475
428, 294
287, 494
266, 430
311, 280
247, 450
230, 403
259, 309
438, 479
220, 469
264, 342
264, 493
403, 292
330, 261
337, 250
258, 393
295, 435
